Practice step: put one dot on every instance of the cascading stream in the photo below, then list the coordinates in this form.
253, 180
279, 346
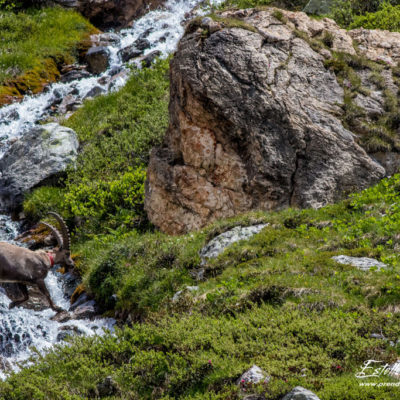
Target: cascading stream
21, 328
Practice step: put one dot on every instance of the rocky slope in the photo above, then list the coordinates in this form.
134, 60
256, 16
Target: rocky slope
272, 109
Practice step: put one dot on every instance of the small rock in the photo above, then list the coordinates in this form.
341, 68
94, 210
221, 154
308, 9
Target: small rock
300, 393
115, 70
377, 336
62, 316
74, 76
72, 328
178, 294
5, 364
117, 80
211, 25
149, 58
217, 245
68, 103
105, 39
253, 376
83, 298
95, 91
61, 336
142, 43
98, 59
362, 263
103, 80
107, 387
85, 310
70, 281
197, 274
129, 52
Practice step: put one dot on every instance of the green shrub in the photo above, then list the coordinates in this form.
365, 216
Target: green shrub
369, 14
118, 130
116, 203
42, 200
289, 4
388, 17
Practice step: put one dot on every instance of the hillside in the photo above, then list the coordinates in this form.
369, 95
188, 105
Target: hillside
298, 299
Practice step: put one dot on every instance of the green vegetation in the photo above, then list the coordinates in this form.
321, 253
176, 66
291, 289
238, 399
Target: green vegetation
277, 300
34, 44
105, 190
365, 13
378, 133
289, 4
388, 17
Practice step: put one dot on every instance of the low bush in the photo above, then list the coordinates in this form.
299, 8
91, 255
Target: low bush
388, 17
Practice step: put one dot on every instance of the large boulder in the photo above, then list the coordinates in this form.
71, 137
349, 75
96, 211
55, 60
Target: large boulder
257, 118
42, 153
111, 13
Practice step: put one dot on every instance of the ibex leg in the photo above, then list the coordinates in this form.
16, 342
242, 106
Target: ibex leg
42, 287
24, 290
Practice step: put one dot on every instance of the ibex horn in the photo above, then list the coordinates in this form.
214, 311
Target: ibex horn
55, 232
64, 230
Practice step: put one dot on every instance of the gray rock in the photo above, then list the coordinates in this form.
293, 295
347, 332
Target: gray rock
319, 7
68, 103
61, 317
129, 52
105, 39
363, 263
72, 328
142, 44
69, 281
107, 387
74, 76
43, 152
150, 58
253, 376
300, 393
98, 59
255, 124
85, 310
217, 245
178, 294
93, 92
83, 298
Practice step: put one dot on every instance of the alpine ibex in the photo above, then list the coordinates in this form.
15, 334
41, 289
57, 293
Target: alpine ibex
26, 267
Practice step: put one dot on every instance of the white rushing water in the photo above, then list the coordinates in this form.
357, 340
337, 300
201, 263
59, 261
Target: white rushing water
163, 28
22, 328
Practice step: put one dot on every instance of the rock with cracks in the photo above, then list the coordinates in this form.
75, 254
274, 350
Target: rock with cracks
44, 152
255, 121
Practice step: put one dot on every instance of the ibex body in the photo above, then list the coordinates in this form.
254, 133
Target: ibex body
26, 267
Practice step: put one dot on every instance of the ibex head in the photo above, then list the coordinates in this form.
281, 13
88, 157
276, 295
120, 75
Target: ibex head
62, 253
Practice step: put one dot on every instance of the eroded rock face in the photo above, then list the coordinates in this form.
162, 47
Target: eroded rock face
256, 122
43, 152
